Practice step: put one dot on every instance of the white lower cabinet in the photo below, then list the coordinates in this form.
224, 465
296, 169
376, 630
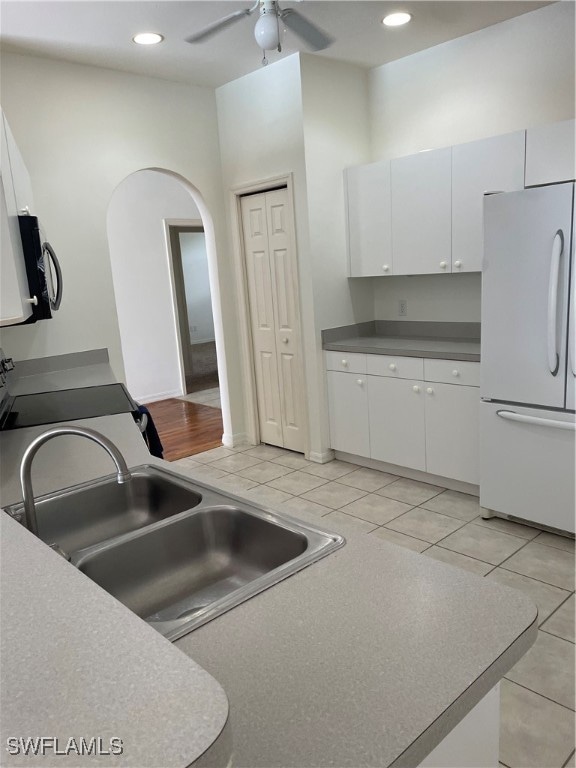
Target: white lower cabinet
429, 424
396, 411
452, 424
348, 405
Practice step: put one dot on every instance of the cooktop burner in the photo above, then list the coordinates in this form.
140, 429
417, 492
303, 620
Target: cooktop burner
67, 405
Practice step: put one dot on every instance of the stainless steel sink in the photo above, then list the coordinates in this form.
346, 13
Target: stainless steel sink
186, 572
87, 514
175, 552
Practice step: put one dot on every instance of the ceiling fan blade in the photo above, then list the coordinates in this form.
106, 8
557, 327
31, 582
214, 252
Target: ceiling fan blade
216, 26
314, 37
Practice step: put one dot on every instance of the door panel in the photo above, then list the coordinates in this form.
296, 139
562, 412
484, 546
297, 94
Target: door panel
396, 408
527, 468
520, 233
452, 416
286, 318
348, 407
274, 307
489, 165
254, 223
421, 213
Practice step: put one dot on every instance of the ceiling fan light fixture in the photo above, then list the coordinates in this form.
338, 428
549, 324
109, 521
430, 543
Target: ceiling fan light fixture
268, 31
396, 19
147, 38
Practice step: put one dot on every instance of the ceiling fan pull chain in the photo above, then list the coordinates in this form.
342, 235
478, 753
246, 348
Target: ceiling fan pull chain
264, 60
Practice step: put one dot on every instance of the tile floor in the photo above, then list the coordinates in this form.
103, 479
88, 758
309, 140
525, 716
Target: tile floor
537, 715
204, 397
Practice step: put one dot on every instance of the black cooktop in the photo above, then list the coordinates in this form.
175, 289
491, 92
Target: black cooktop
67, 405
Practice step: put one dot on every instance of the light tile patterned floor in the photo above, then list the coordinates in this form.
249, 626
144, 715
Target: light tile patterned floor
209, 397
537, 714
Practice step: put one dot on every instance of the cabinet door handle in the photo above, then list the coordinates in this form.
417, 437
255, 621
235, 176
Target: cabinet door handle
385, 267
284, 340
32, 300
345, 363
443, 265
455, 372
392, 366
416, 388
457, 264
360, 382
430, 391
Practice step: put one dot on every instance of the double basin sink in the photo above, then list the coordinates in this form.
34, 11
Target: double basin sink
175, 552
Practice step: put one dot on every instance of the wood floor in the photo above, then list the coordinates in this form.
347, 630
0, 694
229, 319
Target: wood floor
186, 428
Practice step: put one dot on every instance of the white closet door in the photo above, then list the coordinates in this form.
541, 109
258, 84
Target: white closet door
255, 228
274, 308
284, 274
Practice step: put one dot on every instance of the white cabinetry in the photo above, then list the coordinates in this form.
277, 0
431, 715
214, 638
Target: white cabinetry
348, 404
396, 408
551, 153
15, 306
421, 213
490, 165
417, 413
369, 227
452, 424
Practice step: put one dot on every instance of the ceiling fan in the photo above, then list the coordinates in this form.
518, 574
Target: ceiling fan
269, 28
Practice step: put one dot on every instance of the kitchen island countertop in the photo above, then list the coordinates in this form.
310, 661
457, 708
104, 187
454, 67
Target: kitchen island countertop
368, 657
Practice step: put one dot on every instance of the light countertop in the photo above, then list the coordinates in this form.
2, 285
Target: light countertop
447, 349
368, 657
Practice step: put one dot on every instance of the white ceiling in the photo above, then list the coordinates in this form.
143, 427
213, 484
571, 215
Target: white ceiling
99, 32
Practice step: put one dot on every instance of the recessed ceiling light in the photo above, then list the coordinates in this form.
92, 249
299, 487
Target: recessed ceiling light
396, 19
148, 38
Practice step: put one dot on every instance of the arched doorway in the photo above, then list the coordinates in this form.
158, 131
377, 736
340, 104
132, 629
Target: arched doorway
139, 215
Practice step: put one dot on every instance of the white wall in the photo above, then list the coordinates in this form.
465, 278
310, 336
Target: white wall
503, 78
197, 287
309, 117
141, 272
81, 131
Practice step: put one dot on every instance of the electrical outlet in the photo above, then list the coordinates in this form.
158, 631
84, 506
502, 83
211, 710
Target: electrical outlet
402, 308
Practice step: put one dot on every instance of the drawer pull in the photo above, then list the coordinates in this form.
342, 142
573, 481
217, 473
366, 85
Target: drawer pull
455, 372
392, 366
345, 363
360, 382
416, 388
430, 391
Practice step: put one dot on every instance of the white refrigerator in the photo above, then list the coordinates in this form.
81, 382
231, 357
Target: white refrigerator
528, 356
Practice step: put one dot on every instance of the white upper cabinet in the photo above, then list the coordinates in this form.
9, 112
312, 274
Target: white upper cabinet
421, 212
20, 176
369, 227
490, 165
550, 153
15, 306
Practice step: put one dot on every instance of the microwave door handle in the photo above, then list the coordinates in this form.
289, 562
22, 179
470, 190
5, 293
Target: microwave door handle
552, 340
55, 300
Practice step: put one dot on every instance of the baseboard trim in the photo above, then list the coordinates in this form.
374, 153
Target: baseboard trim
321, 458
412, 474
235, 439
143, 399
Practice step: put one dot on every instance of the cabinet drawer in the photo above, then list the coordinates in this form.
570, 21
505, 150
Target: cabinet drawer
350, 362
452, 372
396, 367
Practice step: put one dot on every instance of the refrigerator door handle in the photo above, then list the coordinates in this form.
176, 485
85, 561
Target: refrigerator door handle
557, 250
523, 419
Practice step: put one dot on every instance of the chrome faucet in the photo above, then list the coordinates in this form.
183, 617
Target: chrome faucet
123, 473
